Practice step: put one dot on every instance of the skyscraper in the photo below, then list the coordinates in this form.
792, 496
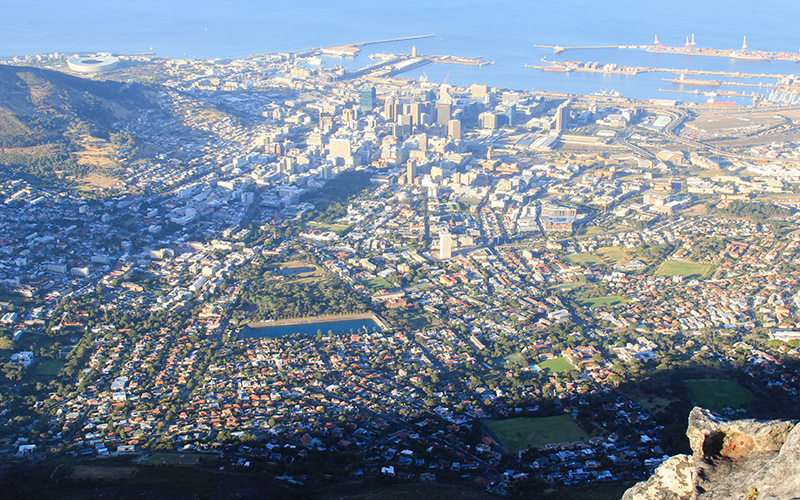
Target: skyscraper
509, 114
442, 113
368, 99
445, 243
390, 109
340, 149
416, 109
411, 171
454, 129
562, 116
487, 120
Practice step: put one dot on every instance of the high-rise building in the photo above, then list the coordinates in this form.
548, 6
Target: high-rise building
445, 243
478, 91
487, 120
509, 112
390, 109
368, 99
442, 113
562, 116
348, 115
405, 123
411, 171
422, 142
454, 129
340, 149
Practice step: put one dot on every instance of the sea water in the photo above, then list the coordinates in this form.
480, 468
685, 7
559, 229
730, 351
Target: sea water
502, 31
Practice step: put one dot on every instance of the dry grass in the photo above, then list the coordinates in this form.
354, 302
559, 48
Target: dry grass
95, 473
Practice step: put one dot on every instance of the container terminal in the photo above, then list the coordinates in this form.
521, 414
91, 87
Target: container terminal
690, 48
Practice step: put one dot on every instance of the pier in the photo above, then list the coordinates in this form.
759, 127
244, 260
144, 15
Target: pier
373, 67
634, 70
352, 49
713, 93
690, 49
464, 61
394, 64
557, 49
388, 40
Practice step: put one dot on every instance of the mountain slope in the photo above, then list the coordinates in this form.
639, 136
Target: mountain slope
38, 106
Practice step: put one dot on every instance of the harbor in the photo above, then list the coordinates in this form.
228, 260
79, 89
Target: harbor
690, 48
394, 64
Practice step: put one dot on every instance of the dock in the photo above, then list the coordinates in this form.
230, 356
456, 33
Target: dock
557, 49
389, 40
352, 49
713, 93
566, 66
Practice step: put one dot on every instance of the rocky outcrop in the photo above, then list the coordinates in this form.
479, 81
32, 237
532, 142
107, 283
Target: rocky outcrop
731, 459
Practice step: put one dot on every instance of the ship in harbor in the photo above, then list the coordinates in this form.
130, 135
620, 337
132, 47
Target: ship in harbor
690, 48
693, 81
749, 56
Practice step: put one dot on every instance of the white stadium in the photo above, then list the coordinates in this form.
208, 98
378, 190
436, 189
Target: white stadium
92, 64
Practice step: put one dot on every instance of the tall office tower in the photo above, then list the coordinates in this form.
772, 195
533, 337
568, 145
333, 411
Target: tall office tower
445, 243
442, 113
454, 129
340, 148
390, 109
478, 91
422, 142
487, 120
411, 171
368, 99
416, 110
562, 116
348, 115
509, 113
405, 122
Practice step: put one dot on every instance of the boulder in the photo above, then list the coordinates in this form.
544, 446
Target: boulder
731, 459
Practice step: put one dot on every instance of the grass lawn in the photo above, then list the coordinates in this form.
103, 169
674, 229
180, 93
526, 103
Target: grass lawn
608, 300
339, 229
584, 259
521, 433
686, 269
579, 281
400, 491
515, 358
376, 284
418, 323
556, 365
48, 367
185, 459
613, 255
716, 394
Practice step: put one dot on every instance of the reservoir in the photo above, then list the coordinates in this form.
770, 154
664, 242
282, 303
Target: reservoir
311, 328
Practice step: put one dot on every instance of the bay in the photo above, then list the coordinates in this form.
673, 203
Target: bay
499, 30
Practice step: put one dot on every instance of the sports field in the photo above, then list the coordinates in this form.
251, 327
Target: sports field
682, 268
584, 259
48, 367
376, 284
613, 255
556, 365
716, 394
609, 300
521, 433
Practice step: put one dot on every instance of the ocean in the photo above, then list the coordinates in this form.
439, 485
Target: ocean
501, 31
